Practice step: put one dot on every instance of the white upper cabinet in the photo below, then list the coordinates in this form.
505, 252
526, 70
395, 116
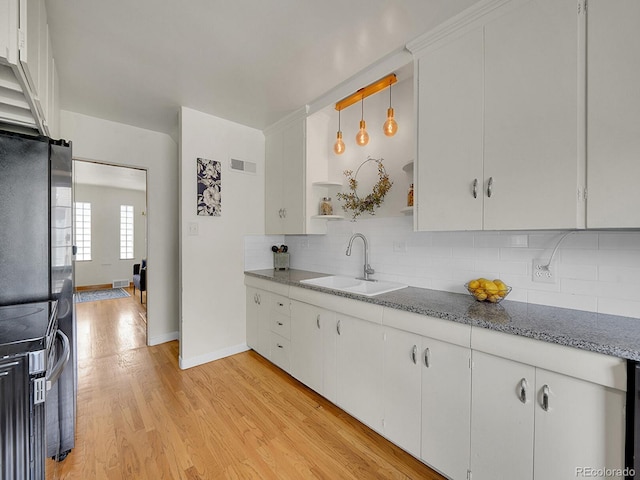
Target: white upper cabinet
28, 81
8, 31
498, 129
449, 169
613, 114
285, 177
531, 117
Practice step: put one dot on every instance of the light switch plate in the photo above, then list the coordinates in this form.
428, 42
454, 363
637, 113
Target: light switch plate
193, 228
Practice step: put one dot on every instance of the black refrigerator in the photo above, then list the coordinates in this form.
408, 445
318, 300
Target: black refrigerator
36, 256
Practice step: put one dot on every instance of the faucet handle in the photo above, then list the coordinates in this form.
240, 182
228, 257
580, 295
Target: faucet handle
368, 270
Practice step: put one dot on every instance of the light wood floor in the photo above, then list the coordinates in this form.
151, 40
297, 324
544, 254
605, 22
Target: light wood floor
141, 417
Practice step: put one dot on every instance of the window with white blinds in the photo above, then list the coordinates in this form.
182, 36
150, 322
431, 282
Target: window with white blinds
82, 231
126, 232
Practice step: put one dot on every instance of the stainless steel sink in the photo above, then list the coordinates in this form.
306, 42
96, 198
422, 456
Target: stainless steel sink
354, 285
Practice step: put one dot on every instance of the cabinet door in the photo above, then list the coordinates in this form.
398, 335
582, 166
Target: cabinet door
359, 364
306, 344
531, 112
9, 31
450, 96
613, 118
401, 389
273, 184
252, 317
32, 28
264, 325
293, 178
446, 407
501, 419
285, 179
581, 426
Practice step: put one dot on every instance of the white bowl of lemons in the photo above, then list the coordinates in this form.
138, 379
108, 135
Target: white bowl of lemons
484, 290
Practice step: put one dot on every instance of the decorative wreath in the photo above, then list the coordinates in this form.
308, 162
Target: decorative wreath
367, 204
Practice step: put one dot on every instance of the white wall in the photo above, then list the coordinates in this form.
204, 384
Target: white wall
596, 271
105, 265
396, 151
118, 144
211, 262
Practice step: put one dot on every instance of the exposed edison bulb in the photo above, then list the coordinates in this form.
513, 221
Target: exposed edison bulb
362, 137
339, 147
390, 127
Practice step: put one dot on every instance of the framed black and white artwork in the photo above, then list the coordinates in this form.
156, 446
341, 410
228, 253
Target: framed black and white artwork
209, 188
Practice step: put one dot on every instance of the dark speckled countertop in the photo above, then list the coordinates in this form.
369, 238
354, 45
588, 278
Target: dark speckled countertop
596, 332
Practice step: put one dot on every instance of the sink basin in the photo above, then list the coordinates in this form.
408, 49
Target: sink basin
354, 285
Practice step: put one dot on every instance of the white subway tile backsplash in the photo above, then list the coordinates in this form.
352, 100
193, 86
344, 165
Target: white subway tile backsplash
595, 271
626, 308
614, 240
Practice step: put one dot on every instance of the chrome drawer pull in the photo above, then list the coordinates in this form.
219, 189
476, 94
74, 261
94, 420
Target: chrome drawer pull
545, 398
523, 390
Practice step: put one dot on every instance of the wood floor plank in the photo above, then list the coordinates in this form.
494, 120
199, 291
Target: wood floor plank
141, 417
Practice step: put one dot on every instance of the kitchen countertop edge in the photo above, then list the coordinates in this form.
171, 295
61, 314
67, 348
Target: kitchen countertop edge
596, 332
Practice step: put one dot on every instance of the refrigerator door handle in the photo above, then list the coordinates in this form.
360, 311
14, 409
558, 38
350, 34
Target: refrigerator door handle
74, 250
56, 371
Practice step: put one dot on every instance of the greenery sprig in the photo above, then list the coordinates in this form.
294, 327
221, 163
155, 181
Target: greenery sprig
373, 200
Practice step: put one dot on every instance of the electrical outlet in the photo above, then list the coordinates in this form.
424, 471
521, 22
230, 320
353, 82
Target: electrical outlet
541, 273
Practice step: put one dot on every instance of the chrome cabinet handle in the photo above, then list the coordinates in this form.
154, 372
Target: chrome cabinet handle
318, 320
427, 358
280, 213
259, 300
523, 390
279, 346
489, 187
475, 188
545, 398
280, 324
414, 354
338, 327
280, 304
284, 213
255, 298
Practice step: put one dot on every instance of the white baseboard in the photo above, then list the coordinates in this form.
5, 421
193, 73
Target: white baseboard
164, 338
210, 357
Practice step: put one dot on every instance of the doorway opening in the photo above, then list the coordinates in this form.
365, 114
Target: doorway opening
111, 228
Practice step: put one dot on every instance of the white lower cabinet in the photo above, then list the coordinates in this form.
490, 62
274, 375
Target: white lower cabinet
401, 369
501, 419
582, 426
464, 400
313, 335
359, 347
446, 407
530, 423
258, 328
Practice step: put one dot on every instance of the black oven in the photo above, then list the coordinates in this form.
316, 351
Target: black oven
33, 353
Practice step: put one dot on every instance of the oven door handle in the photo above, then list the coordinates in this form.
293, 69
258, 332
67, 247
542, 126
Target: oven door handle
56, 371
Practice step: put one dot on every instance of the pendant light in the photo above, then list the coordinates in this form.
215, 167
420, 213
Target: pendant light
390, 127
362, 137
339, 147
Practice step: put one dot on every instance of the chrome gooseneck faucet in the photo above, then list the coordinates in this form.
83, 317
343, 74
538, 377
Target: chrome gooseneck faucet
367, 268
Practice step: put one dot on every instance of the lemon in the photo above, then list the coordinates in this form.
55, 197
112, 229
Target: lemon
480, 295
473, 284
491, 288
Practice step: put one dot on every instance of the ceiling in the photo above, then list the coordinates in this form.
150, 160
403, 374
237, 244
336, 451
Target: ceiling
248, 61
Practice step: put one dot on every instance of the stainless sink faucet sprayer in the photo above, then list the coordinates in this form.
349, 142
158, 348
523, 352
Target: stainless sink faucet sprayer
367, 268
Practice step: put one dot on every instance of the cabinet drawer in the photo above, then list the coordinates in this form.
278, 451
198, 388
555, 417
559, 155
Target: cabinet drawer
281, 351
280, 305
281, 325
